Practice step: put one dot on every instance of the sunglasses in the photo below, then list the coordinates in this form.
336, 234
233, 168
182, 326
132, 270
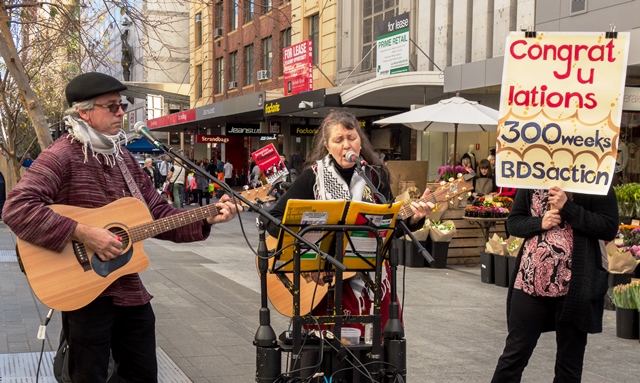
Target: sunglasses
114, 108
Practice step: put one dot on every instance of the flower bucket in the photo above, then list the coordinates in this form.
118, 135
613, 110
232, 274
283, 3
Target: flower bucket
487, 271
627, 326
439, 252
501, 266
412, 258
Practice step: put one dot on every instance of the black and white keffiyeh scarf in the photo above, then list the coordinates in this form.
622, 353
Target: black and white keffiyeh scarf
330, 185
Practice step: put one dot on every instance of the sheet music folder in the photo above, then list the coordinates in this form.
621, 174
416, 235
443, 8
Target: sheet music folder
360, 247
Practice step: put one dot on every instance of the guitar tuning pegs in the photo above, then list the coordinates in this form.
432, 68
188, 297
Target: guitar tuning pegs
451, 202
451, 179
468, 194
464, 188
459, 198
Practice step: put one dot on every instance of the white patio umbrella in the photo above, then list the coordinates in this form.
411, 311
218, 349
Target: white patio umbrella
455, 114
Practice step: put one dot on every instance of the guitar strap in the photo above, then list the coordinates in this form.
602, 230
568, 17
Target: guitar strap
131, 183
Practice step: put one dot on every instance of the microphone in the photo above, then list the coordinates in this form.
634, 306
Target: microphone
143, 130
351, 156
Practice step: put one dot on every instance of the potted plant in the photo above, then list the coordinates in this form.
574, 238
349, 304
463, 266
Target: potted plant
624, 298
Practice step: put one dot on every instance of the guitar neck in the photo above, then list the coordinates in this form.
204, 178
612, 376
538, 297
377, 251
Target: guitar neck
153, 228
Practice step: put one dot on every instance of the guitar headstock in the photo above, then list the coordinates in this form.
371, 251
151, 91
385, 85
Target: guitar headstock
463, 184
259, 194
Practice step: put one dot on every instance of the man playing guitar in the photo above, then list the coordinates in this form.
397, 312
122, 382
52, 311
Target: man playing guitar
87, 168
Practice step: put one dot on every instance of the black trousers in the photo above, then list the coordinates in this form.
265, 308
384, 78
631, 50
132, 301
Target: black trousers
527, 318
100, 326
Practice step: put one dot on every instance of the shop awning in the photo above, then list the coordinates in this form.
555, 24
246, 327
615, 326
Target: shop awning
142, 146
396, 91
246, 108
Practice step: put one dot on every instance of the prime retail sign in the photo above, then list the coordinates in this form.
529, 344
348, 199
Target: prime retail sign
560, 109
392, 44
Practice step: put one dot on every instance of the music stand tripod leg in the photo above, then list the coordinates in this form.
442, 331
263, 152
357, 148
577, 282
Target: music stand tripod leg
394, 342
268, 356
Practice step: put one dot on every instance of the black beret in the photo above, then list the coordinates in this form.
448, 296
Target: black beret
91, 85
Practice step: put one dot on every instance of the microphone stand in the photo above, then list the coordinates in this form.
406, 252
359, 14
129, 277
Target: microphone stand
393, 332
268, 357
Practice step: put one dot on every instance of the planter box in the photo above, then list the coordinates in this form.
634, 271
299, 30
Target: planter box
501, 267
627, 326
487, 271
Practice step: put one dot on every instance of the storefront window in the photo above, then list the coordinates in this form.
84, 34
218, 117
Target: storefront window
434, 146
629, 145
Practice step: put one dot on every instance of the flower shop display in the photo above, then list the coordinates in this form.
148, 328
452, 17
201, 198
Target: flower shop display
489, 207
625, 298
628, 196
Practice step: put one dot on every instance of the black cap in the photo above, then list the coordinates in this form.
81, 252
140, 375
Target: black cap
91, 85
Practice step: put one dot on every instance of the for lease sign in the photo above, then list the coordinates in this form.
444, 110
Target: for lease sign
298, 68
560, 110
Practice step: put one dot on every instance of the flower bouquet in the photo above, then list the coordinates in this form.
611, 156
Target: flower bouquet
496, 245
627, 296
624, 254
449, 173
513, 245
442, 231
422, 234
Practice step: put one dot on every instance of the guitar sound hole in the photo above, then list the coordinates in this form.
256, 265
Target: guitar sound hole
124, 237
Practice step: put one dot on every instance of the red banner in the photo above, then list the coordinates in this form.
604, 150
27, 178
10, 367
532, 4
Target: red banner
172, 119
298, 68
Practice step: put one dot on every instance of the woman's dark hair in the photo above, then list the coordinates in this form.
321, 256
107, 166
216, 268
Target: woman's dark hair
349, 121
484, 164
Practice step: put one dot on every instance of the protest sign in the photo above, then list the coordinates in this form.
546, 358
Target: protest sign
560, 110
270, 164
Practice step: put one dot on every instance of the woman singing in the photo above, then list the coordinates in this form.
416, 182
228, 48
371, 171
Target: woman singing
327, 175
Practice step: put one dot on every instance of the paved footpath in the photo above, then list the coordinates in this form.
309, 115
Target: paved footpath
206, 300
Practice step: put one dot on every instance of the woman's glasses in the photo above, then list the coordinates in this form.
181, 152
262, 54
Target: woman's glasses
114, 108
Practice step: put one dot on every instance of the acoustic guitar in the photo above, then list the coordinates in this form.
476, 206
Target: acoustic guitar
260, 194
280, 284
75, 277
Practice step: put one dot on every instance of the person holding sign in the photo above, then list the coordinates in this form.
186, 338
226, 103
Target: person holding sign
328, 175
560, 282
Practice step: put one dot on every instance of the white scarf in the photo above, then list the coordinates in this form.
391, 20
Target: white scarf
330, 185
109, 147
